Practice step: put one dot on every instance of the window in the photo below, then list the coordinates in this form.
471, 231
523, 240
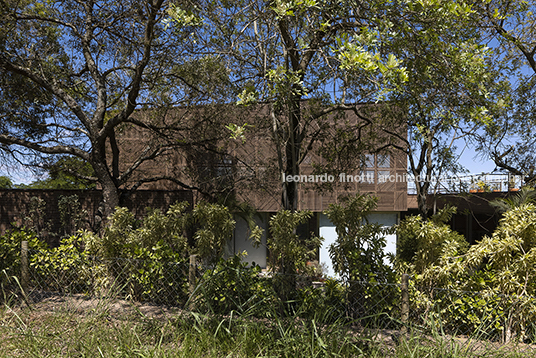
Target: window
225, 167
367, 177
376, 169
384, 160
369, 160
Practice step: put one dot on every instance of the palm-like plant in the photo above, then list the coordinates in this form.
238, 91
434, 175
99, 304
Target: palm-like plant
526, 195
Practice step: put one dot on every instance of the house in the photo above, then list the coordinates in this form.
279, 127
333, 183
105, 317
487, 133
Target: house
206, 160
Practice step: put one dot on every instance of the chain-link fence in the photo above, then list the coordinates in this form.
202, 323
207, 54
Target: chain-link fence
483, 315
234, 286
154, 281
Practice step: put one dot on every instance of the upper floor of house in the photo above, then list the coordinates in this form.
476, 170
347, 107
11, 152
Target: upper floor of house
340, 154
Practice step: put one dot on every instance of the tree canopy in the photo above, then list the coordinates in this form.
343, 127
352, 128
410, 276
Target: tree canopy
508, 140
74, 73
312, 60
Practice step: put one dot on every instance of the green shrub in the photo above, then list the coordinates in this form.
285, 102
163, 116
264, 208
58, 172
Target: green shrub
145, 259
66, 268
289, 252
324, 304
422, 243
359, 257
359, 254
234, 286
10, 260
215, 228
10, 249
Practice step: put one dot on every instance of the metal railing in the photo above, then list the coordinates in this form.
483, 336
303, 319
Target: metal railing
471, 183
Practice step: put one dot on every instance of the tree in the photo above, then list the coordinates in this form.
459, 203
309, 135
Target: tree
292, 58
508, 139
450, 91
65, 173
82, 71
5, 182
358, 254
311, 61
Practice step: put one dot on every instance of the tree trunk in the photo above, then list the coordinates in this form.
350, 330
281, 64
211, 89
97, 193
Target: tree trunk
110, 190
421, 202
292, 152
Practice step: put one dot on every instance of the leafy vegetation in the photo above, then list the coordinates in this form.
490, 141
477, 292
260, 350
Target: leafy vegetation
289, 252
501, 268
5, 182
233, 286
358, 253
64, 173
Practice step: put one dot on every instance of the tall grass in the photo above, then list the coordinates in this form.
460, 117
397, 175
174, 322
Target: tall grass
68, 333
99, 331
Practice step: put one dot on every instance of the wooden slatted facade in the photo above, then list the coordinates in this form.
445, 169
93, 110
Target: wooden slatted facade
251, 167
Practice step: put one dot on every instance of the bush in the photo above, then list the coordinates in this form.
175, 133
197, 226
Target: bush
234, 286
359, 256
289, 252
324, 304
146, 259
10, 249
215, 228
422, 243
66, 268
10, 262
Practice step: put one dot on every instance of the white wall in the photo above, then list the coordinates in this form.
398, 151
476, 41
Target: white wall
327, 231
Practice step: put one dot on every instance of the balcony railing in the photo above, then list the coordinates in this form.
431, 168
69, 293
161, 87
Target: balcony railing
471, 183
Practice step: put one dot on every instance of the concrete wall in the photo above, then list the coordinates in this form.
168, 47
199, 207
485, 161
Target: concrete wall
241, 242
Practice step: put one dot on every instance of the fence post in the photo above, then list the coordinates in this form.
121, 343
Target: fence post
192, 273
404, 306
24, 270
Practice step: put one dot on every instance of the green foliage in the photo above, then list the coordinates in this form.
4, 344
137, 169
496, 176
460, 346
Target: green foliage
66, 268
235, 286
526, 195
509, 255
216, 227
124, 235
290, 252
326, 304
10, 260
501, 268
160, 275
358, 254
359, 257
10, 249
117, 238
146, 257
65, 173
5, 182
422, 243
